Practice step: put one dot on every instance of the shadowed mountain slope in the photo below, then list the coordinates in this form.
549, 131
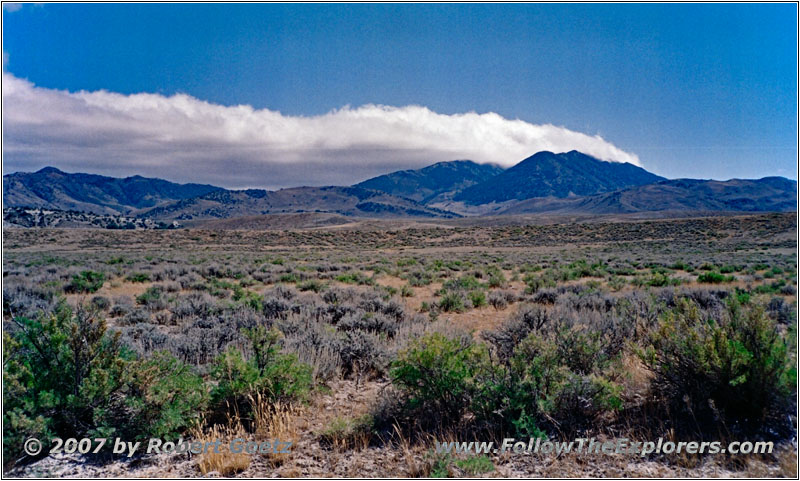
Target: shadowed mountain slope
349, 201
770, 194
546, 174
433, 183
53, 189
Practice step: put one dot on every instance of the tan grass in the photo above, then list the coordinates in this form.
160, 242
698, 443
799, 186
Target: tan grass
224, 461
274, 422
270, 422
787, 462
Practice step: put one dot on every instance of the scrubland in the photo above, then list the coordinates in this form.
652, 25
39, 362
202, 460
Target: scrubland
362, 344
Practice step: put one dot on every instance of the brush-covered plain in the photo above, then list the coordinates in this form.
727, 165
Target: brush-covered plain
362, 344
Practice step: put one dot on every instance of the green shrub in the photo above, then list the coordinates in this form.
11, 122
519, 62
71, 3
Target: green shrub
166, 396
348, 432
355, 278
312, 285
623, 271
497, 279
410, 261
465, 283
59, 373
452, 301
477, 298
555, 381
679, 266
771, 288
533, 283
737, 366
248, 298
555, 378
714, 278
437, 374
419, 278
581, 350
289, 278
581, 268
742, 296
475, 465
662, 280
150, 297
138, 277
65, 375
532, 381
440, 466
269, 373
86, 282
616, 283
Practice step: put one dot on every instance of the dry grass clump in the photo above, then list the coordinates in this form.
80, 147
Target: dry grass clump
273, 422
269, 423
345, 434
224, 462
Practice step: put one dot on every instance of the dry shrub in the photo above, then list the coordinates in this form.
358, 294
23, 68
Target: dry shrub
345, 434
787, 462
268, 422
223, 462
414, 467
271, 422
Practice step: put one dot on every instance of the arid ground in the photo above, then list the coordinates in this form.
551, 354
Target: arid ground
363, 342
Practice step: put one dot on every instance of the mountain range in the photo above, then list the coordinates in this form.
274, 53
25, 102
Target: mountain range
544, 183
435, 183
348, 201
51, 188
770, 194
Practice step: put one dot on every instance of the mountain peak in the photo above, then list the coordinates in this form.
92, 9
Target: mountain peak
49, 170
546, 174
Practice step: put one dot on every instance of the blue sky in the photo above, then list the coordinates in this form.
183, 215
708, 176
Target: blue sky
705, 91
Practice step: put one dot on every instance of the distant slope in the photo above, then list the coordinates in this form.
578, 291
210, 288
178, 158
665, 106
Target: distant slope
305, 220
53, 189
770, 194
23, 217
546, 174
348, 201
435, 182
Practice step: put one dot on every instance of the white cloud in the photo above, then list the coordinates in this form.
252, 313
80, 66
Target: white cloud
183, 138
12, 7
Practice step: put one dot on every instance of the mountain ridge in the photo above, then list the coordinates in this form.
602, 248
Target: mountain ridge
347, 201
439, 187
434, 183
50, 187
545, 174
768, 194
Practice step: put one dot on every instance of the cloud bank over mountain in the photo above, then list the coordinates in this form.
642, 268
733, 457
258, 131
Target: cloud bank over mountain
191, 140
